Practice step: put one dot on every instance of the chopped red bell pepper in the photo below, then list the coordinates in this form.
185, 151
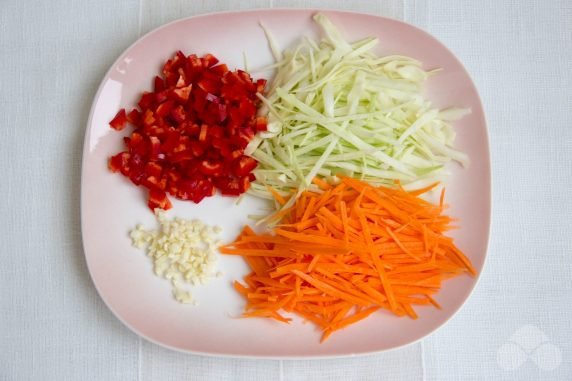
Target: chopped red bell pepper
146, 101
134, 117
119, 162
119, 121
162, 96
209, 60
158, 199
182, 94
164, 108
244, 165
178, 114
153, 169
244, 184
159, 84
211, 168
261, 123
191, 131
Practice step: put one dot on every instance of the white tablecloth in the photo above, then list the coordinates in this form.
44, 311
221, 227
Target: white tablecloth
54, 326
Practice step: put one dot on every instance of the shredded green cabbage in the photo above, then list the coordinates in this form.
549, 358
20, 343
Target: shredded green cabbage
334, 107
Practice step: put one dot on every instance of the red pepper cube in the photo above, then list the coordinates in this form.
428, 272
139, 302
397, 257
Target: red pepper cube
230, 78
196, 148
199, 100
171, 79
244, 76
219, 70
178, 114
158, 199
141, 149
173, 176
247, 108
209, 60
171, 141
136, 162
240, 140
236, 154
153, 169
164, 108
229, 187
190, 129
136, 176
222, 146
244, 184
162, 96
211, 168
158, 84
153, 182
135, 140
134, 117
146, 101
195, 61
215, 131
155, 147
167, 68
243, 166
119, 121
260, 85
236, 117
261, 124
148, 118
119, 162
183, 144
155, 130
209, 85
179, 57
182, 94
181, 82
233, 91
172, 65
248, 132
196, 189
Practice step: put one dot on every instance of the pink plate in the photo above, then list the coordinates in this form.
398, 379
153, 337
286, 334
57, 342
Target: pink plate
111, 206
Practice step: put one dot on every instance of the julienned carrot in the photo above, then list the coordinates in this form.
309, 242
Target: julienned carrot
340, 255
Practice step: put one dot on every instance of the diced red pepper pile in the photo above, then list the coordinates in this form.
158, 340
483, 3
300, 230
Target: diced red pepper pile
191, 131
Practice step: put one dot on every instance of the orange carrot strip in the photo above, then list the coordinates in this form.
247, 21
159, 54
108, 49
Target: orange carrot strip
323, 185
382, 275
240, 288
423, 190
326, 288
259, 252
309, 209
277, 196
410, 312
354, 318
313, 263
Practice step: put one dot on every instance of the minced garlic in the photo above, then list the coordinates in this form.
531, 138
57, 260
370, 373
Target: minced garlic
182, 251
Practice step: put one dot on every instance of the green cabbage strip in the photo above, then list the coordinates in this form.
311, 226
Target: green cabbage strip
336, 108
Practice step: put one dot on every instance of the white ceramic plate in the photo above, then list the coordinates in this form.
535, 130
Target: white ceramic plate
111, 205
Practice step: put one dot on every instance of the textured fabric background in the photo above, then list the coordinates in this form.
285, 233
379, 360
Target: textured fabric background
54, 326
